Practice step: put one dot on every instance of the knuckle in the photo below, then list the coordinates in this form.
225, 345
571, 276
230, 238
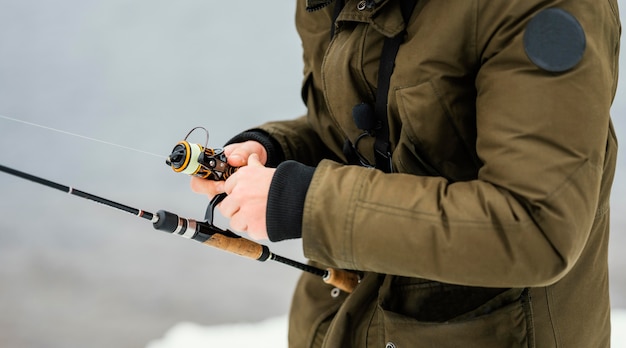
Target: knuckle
229, 207
237, 224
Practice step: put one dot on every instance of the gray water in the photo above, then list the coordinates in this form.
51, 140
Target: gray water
141, 74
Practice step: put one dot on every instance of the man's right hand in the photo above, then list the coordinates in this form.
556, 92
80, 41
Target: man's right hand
237, 156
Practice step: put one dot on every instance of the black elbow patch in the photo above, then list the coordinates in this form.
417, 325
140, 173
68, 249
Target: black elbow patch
554, 40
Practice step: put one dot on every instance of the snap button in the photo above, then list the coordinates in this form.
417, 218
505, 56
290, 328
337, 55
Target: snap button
335, 292
362, 5
390, 345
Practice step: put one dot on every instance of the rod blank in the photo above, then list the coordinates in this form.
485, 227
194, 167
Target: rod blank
67, 189
203, 232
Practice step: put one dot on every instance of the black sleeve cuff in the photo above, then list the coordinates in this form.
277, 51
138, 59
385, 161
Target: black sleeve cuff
274, 152
285, 203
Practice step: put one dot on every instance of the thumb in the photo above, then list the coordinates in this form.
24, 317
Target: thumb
237, 158
254, 160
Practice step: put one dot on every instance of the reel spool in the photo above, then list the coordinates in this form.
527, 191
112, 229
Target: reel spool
201, 161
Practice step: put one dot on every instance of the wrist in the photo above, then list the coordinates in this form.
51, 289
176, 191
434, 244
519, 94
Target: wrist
285, 203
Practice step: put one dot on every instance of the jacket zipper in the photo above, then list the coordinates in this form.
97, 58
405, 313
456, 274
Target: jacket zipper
318, 6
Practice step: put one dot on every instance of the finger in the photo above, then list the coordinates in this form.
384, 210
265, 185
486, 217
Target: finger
238, 157
208, 187
238, 222
253, 160
196, 186
256, 230
238, 153
228, 149
257, 148
230, 183
228, 207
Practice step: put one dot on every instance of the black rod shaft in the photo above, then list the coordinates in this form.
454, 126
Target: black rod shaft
299, 265
134, 211
67, 189
341, 283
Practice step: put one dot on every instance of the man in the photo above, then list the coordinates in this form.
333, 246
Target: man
457, 154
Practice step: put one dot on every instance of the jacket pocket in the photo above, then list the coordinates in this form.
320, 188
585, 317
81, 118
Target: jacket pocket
433, 139
440, 315
313, 308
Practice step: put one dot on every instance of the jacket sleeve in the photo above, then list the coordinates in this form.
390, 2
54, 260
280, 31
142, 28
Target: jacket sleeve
541, 138
297, 140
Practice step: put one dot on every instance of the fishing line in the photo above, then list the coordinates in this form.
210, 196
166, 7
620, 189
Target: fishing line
211, 164
79, 136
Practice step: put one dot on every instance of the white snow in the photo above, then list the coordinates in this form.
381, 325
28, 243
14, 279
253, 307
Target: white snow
618, 330
272, 333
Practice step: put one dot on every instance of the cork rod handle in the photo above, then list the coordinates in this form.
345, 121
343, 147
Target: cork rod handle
239, 246
343, 280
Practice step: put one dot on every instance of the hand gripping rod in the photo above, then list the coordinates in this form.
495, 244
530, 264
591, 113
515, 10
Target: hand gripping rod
205, 232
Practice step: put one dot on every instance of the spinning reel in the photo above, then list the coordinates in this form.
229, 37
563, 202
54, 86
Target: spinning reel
198, 160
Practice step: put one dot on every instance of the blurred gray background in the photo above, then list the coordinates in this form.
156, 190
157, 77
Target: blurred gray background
141, 74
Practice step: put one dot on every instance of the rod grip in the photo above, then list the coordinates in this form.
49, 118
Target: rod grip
343, 280
239, 246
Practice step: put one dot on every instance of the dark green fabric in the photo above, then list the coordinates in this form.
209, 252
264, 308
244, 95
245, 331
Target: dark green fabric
526, 160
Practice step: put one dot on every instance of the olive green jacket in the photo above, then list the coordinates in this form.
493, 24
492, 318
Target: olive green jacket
507, 245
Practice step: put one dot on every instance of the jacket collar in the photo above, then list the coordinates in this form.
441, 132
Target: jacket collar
389, 22
385, 16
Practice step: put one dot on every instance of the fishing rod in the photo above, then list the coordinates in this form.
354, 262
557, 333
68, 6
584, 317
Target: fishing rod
195, 159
